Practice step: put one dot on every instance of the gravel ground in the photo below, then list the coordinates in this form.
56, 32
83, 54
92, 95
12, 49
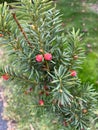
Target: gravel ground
3, 123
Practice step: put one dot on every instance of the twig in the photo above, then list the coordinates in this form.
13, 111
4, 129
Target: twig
21, 29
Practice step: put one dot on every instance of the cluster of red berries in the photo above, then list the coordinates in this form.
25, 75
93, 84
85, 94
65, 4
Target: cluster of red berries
48, 57
40, 57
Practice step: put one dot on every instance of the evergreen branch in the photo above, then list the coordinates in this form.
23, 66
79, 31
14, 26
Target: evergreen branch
22, 31
13, 75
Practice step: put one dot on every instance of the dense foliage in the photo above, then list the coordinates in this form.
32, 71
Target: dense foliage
44, 62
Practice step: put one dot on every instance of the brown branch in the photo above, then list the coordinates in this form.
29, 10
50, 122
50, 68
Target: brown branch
21, 29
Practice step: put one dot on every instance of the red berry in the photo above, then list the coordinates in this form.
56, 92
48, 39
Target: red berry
1, 35
39, 58
41, 102
65, 123
47, 93
30, 89
5, 76
73, 73
46, 87
48, 56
